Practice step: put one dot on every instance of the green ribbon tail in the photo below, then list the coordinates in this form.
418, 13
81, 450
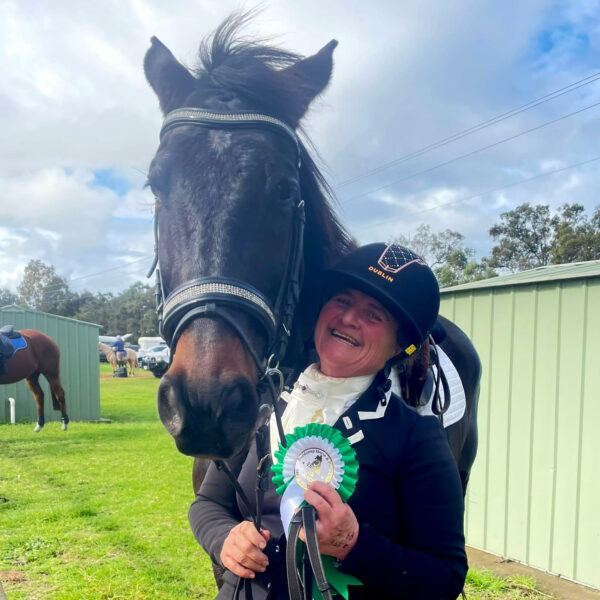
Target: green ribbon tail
337, 580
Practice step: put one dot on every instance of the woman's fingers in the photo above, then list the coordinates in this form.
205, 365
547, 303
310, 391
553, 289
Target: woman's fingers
328, 492
247, 531
242, 550
325, 499
337, 527
254, 560
231, 565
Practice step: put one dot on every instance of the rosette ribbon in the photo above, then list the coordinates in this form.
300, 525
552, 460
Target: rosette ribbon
315, 452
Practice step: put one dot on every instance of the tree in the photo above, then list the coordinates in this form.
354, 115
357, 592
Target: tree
577, 238
531, 236
459, 268
7, 297
44, 290
133, 311
94, 308
446, 254
525, 236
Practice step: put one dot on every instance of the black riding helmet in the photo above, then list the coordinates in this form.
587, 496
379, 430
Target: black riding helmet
396, 277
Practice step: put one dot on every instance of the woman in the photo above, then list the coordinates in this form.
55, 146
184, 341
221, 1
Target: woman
401, 532
119, 350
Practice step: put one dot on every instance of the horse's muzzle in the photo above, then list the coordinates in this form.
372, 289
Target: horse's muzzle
210, 419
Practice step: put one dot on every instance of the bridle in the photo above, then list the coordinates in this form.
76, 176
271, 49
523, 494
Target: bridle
208, 296
211, 296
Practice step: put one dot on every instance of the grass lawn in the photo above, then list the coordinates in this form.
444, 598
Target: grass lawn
100, 512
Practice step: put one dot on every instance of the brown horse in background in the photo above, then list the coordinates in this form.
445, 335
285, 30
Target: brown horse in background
40, 357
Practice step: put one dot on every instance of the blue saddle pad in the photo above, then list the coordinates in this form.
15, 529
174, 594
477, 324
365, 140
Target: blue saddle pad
19, 343
8, 346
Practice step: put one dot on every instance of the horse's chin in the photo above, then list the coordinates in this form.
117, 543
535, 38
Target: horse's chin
212, 451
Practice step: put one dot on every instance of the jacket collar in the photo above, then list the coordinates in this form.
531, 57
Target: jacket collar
371, 405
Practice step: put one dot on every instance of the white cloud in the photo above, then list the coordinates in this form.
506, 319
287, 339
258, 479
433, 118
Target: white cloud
64, 203
74, 100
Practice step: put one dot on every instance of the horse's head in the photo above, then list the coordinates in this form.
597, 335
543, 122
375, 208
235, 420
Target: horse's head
228, 196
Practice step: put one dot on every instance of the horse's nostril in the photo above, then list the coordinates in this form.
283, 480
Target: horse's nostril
169, 407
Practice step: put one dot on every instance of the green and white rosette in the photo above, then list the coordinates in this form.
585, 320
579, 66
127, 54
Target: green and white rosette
315, 452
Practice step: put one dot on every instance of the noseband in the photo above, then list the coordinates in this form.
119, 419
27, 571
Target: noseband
211, 296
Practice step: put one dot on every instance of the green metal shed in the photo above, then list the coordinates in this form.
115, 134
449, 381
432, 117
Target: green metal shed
534, 493
79, 367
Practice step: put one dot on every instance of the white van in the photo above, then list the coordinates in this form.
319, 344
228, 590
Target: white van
145, 343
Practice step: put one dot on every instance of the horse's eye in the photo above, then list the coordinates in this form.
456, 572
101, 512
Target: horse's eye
157, 183
287, 190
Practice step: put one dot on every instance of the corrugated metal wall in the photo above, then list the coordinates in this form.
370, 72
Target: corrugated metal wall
534, 493
79, 367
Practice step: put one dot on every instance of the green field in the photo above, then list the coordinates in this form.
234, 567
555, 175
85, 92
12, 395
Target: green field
100, 511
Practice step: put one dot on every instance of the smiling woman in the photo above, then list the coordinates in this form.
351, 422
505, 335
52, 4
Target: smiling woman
400, 534
355, 335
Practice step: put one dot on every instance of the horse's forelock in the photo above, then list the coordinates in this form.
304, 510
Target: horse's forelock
252, 69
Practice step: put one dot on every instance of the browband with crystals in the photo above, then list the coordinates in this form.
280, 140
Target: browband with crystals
202, 117
201, 287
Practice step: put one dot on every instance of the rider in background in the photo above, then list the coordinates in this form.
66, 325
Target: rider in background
401, 532
119, 349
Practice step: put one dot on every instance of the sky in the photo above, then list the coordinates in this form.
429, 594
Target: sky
80, 123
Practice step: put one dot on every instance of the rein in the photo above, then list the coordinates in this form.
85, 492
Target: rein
212, 296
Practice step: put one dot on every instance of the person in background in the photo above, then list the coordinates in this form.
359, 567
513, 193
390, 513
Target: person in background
119, 350
401, 532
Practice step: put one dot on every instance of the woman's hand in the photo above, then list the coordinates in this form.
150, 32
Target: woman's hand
337, 527
242, 551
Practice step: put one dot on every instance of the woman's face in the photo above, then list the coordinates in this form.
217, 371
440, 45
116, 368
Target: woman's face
355, 335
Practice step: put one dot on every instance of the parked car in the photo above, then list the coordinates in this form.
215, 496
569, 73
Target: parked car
146, 344
156, 360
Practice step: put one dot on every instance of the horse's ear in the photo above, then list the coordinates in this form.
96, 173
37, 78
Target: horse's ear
171, 81
310, 77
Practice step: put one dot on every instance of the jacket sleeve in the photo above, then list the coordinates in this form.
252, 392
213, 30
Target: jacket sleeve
214, 512
430, 563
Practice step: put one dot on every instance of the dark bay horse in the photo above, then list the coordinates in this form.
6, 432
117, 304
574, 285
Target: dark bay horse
40, 357
243, 220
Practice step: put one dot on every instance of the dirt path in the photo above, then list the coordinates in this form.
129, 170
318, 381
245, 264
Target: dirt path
563, 589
